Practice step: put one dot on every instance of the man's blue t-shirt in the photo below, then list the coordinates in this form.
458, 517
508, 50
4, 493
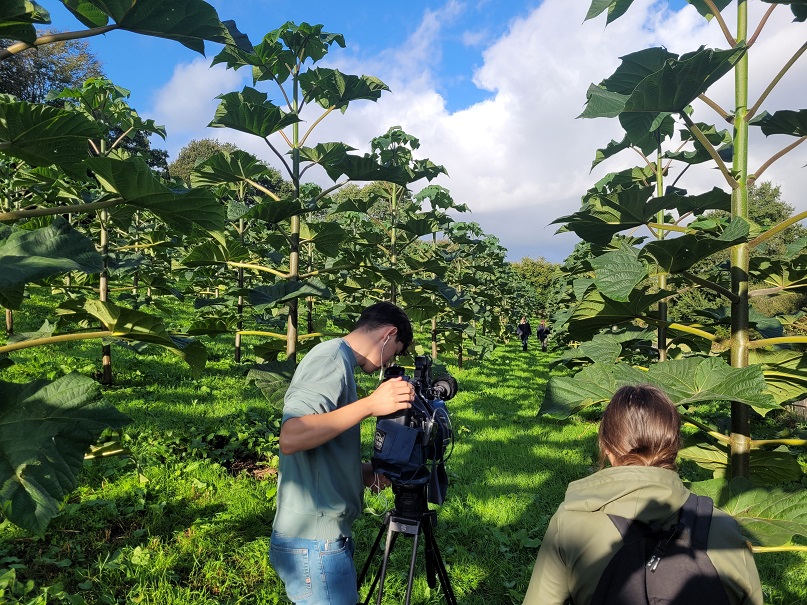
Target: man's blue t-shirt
320, 491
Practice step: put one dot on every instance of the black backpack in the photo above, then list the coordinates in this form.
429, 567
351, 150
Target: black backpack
663, 567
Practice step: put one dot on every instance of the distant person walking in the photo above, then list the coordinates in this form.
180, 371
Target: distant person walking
543, 334
524, 331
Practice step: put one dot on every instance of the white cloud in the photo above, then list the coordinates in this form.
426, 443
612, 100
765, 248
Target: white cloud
520, 158
188, 101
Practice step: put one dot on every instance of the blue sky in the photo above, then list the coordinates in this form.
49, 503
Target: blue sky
491, 88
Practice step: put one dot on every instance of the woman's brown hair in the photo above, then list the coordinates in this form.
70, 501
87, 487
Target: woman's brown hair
640, 427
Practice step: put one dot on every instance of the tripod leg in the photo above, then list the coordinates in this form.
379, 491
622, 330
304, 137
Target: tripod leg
411, 567
381, 532
382, 573
373, 550
437, 561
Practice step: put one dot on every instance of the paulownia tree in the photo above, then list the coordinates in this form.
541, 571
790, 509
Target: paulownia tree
624, 282
47, 157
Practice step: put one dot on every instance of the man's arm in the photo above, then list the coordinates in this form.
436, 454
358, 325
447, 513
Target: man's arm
312, 430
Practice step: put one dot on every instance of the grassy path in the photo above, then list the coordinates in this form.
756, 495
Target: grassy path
185, 520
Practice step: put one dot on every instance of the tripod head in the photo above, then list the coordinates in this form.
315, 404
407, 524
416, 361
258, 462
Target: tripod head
410, 499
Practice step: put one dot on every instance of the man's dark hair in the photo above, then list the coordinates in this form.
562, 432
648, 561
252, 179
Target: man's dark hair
385, 313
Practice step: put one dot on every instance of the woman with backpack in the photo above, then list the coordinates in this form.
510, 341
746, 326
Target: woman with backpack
671, 551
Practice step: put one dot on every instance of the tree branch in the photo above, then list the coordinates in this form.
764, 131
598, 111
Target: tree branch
710, 149
779, 340
720, 111
782, 152
777, 228
775, 81
54, 210
711, 286
762, 22
38, 342
724, 28
259, 268
58, 37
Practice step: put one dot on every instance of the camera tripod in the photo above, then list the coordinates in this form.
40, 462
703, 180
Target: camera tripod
413, 520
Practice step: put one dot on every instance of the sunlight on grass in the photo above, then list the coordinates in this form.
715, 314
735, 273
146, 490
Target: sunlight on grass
186, 519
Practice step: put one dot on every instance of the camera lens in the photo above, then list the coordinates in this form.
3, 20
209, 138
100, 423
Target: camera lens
445, 387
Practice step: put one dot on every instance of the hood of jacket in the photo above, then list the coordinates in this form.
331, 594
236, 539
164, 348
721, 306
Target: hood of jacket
635, 492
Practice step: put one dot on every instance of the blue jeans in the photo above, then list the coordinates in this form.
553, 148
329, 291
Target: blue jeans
315, 572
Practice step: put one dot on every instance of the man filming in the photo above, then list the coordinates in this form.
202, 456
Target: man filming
321, 475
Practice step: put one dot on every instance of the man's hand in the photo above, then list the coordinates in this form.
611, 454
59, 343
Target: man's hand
375, 481
391, 396
309, 431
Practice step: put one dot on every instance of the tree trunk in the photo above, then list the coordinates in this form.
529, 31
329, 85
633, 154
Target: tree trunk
740, 413
103, 295
434, 338
9, 322
239, 325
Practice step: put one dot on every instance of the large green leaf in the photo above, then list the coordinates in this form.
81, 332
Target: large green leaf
716, 199
281, 49
785, 373
616, 8
686, 381
45, 429
766, 467
420, 225
603, 349
595, 312
29, 256
326, 237
797, 7
42, 135
646, 130
137, 184
209, 326
131, 325
721, 140
785, 273
249, 111
680, 253
273, 379
270, 211
618, 272
228, 168
594, 384
17, 18
306, 41
705, 10
189, 22
606, 348
767, 516
696, 379
333, 89
610, 150
337, 162
679, 82
602, 103
605, 214
635, 67
265, 297
212, 253
793, 123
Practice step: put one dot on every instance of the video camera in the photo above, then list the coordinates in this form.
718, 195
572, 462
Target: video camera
411, 446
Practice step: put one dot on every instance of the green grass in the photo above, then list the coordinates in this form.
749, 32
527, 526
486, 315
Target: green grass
185, 520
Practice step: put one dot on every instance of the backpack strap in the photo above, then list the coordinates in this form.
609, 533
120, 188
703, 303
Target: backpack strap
696, 516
